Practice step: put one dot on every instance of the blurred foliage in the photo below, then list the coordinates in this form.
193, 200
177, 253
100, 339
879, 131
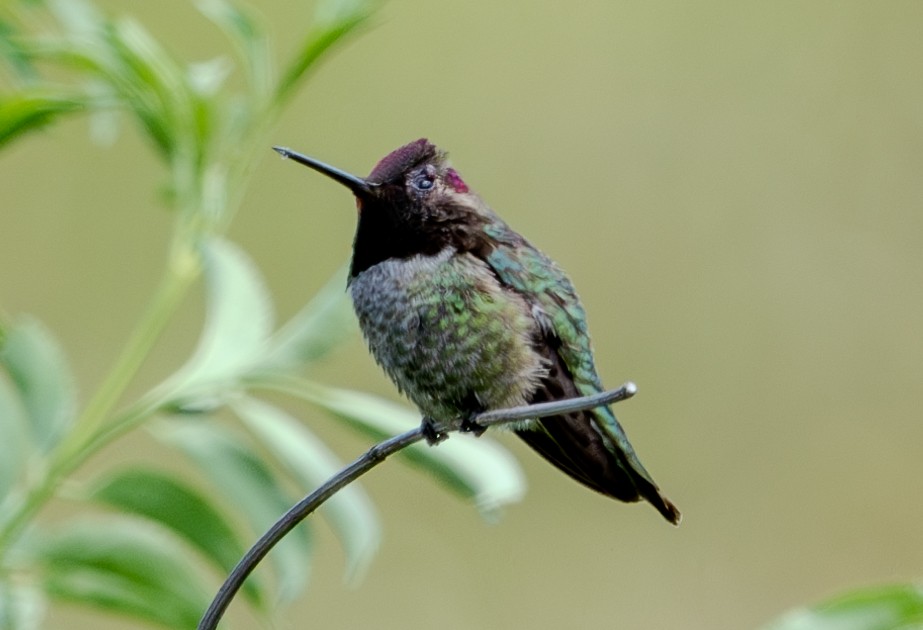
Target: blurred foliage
129, 553
898, 607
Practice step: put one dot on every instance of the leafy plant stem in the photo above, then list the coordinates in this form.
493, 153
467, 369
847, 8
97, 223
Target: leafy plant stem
84, 440
149, 329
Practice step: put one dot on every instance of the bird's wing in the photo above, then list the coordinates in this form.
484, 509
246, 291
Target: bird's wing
590, 446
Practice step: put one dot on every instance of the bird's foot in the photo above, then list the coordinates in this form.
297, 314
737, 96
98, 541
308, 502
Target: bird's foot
432, 432
470, 426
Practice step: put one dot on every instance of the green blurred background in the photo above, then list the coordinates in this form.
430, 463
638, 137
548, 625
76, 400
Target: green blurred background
735, 189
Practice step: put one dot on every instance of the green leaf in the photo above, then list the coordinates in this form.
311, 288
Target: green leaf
13, 52
182, 509
893, 607
39, 370
79, 17
476, 468
124, 57
149, 75
22, 606
237, 327
306, 458
245, 30
324, 323
29, 110
105, 124
123, 566
14, 443
242, 478
333, 20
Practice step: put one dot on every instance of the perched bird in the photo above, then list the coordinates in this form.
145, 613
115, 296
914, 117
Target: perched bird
465, 315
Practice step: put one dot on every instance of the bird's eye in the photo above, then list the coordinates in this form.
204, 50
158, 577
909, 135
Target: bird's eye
423, 182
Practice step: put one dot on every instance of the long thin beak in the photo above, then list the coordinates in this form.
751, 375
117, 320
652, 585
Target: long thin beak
359, 186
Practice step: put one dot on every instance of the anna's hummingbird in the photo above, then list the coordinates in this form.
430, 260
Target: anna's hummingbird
465, 315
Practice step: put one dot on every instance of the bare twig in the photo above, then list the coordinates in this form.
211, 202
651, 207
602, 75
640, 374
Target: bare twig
366, 462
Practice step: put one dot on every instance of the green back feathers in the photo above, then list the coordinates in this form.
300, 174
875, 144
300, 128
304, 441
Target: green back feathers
523, 268
534, 275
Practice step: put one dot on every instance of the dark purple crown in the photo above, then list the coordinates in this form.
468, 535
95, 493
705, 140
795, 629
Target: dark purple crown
401, 160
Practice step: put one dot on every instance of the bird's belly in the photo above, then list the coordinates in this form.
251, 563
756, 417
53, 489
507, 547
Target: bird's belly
447, 334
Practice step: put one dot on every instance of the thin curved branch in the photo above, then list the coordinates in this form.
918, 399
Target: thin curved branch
365, 463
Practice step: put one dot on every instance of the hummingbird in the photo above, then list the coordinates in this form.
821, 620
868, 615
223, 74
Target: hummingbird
465, 315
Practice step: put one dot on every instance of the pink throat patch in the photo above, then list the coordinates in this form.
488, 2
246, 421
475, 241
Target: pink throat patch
453, 179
